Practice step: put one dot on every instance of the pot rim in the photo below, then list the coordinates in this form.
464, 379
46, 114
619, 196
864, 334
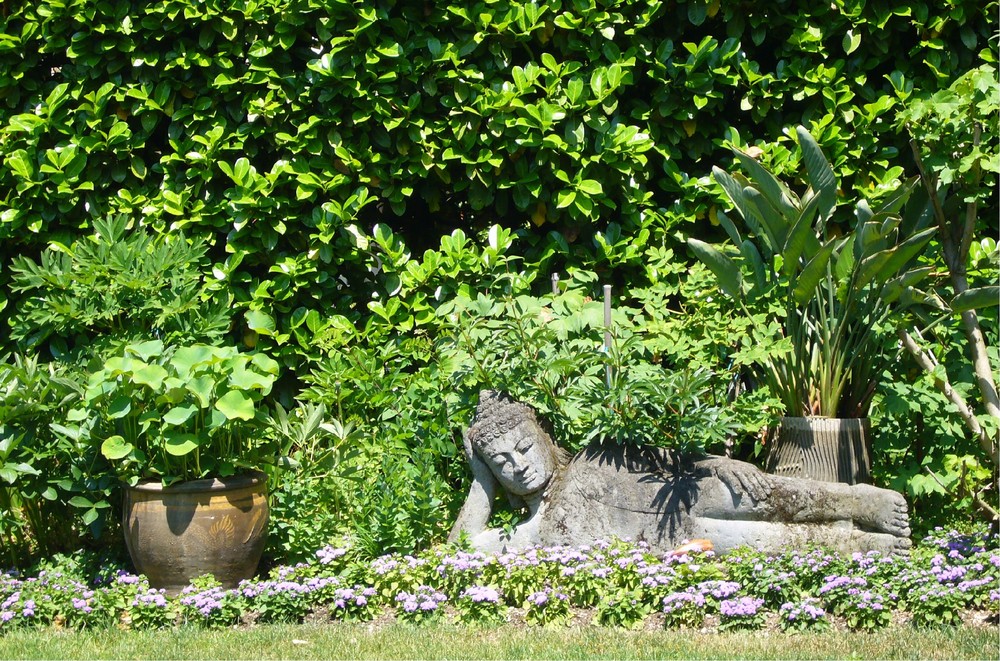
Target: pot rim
241, 481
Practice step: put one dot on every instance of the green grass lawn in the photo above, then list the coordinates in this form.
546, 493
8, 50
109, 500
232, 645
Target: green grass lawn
399, 641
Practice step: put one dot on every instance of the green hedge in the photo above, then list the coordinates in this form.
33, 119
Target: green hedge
322, 146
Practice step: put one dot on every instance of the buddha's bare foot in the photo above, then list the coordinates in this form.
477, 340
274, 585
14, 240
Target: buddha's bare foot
884, 543
880, 510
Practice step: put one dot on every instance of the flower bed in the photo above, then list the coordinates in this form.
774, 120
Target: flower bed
948, 577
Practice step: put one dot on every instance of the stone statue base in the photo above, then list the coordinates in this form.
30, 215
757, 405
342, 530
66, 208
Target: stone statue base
644, 494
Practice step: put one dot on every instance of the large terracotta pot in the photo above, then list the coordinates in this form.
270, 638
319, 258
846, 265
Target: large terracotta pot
211, 526
825, 449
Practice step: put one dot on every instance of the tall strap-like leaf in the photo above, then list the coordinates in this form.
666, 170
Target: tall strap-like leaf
976, 299
724, 268
895, 287
890, 222
774, 224
731, 231
801, 241
812, 273
756, 263
844, 265
820, 172
733, 190
905, 252
867, 233
919, 211
774, 190
871, 267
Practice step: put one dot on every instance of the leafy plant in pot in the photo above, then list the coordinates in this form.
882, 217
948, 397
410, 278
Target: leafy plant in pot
838, 294
184, 426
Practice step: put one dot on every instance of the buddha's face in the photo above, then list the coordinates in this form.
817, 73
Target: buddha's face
522, 466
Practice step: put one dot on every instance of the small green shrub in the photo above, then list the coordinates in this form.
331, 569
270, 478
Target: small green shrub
547, 607
622, 608
547, 351
42, 487
310, 487
423, 606
683, 609
803, 615
121, 284
481, 605
741, 613
206, 603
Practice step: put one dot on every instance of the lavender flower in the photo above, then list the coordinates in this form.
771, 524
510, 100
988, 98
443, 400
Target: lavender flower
328, 554
678, 600
742, 607
421, 603
153, 598
808, 609
481, 594
543, 597
719, 589
125, 578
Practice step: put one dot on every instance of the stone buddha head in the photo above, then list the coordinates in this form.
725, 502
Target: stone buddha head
507, 436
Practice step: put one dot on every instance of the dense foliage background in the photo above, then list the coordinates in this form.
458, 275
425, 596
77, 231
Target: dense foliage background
353, 166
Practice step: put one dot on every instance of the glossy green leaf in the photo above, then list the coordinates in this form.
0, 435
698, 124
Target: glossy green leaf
235, 405
778, 195
179, 444
120, 407
812, 273
186, 359
260, 322
146, 351
179, 415
150, 375
115, 447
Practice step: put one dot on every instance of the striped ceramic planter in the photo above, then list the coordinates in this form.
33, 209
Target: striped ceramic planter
825, 449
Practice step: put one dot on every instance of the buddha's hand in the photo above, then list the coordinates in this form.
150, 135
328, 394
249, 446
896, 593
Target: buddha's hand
743, 478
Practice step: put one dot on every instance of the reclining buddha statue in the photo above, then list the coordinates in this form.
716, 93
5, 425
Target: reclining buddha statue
656, 495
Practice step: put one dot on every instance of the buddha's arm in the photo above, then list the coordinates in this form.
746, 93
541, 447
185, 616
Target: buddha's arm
475, 513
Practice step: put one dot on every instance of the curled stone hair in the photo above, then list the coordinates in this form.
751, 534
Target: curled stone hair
498, 413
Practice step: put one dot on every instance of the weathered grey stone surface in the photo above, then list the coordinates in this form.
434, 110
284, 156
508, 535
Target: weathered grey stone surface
656, 496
